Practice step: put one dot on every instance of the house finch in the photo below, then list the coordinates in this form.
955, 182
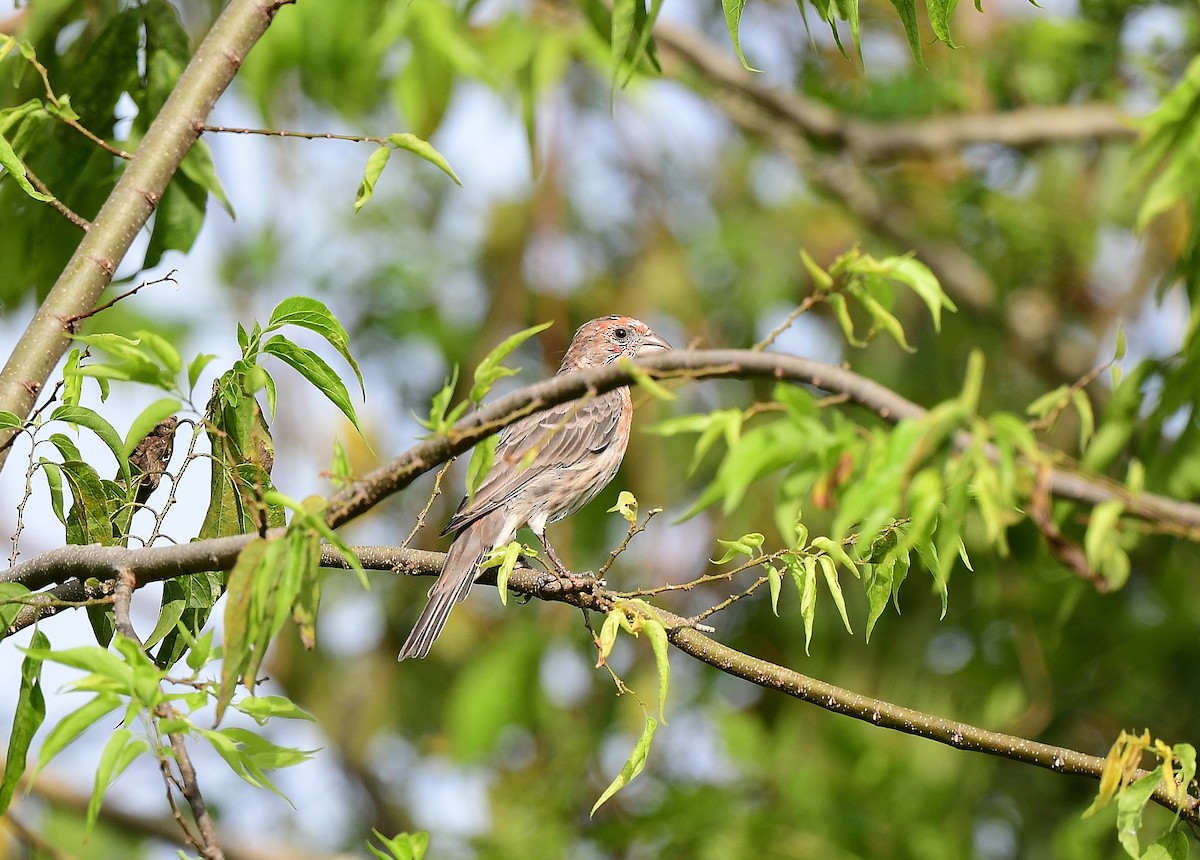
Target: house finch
575, 448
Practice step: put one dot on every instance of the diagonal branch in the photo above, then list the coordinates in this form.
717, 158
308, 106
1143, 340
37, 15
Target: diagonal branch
137, 192
683, 634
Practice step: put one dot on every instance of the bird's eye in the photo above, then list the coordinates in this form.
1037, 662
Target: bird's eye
620, 333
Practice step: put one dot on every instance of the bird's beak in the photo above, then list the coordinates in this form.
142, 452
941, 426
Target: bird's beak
652, 341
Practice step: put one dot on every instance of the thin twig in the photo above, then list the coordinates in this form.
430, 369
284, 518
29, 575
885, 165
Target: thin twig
635, 529
302, 135
209, 848
33, 416
801, 309
729, 601
56, 204
61, 115
424, 512
30, 470
187, 783
191, 455
72, 321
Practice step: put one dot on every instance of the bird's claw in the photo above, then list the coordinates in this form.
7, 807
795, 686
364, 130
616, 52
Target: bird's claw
569, 583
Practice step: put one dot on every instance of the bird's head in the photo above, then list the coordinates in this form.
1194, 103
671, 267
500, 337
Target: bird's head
607, 339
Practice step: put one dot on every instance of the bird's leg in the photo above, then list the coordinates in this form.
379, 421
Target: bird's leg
576, 581
558, 565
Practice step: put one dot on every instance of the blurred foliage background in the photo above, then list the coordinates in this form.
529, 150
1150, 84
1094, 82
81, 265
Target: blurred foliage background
682, 199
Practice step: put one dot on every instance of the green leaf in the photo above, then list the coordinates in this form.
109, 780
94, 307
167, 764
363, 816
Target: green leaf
177, 219
623, 13
54, 481
940, 12
147, 420
490, 370
886, 320
644, 23
162, 350
441, 416
10, 421
315, 316
119, 753
841, 312
198, 166
91, 658
804, 576
633, 766
835, 589
187, 602
263, 708
657, 634
878, 583
28, 718
775, 582
1102, 531
1130, 803
835, 550
425, 150
16, 169
375, 164
504, 559
89, 520
313, 368
748, 545
196, 367
1087, 419
1171, 845
146, 690
250, 756
821, 279
973, 381
733, 21
13, 598
73, 725
626, 506
907, 10
66, 447
402, 846
90, 419
920, 279
240, 623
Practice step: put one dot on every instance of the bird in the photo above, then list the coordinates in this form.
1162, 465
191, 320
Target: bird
547, 466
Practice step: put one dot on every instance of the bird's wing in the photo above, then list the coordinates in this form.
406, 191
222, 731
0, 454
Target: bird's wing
559, 436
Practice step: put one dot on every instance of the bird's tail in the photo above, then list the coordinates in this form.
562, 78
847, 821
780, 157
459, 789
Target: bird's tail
458, 573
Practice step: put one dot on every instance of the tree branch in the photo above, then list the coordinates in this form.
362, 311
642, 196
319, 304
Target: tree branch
134, 198
188, 783
880, 713
866, 140
69, 567
683, 634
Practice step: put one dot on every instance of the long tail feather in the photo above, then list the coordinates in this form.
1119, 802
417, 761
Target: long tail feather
458, 574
